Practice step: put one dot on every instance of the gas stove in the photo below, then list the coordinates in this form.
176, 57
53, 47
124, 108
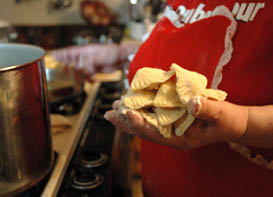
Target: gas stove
90, 171
84, 162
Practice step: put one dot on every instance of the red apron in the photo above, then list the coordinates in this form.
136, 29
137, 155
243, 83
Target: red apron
214, 170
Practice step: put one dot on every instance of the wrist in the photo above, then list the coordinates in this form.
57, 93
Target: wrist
259, 132
244, 125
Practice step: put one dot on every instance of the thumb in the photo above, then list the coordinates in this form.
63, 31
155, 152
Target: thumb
205, 109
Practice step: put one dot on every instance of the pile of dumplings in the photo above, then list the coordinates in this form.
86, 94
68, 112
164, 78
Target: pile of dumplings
162, 99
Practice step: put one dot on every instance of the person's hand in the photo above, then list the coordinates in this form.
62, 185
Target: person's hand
217, 121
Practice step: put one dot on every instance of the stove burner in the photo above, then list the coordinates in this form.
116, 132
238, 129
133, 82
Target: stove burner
69, 106
105, 103
111, 90
86, 179
110, 95
89, 172
93, 159
112, 86
99, 115
105, 106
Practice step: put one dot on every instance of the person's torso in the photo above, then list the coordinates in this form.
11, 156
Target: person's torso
241, 65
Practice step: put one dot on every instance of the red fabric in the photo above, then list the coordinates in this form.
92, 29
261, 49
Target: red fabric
214, 170
211, 171
192, 54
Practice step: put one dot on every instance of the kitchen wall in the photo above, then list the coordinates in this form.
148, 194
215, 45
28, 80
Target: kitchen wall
41, 12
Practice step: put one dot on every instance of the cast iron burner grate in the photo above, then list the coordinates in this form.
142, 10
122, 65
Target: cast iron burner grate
93, 154
86, 179
93, 159
70, 106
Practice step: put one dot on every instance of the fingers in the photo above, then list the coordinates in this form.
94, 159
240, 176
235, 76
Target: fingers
115, 104
224, 121
146, 131
118, 120
206, 109
135, 124
138, 122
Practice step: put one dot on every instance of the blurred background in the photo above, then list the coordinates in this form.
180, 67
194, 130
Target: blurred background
53, 24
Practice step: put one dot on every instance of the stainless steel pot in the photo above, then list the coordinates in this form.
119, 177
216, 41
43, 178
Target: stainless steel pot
25, 142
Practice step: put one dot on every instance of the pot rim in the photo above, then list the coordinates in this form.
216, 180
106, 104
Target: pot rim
29, 46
